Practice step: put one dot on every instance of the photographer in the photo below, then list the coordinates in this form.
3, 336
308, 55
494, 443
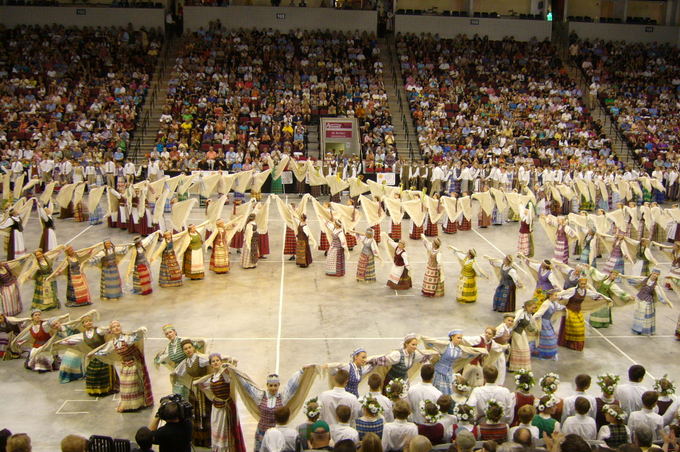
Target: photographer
175, 435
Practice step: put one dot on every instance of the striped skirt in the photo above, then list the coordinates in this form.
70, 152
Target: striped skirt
615, 261
10, 300
450, 227
572, 331
323, 243
496, 217
466, 291
132, 395
100, 378
601, 318
335, 262
219, 260
433, 286
431, 229
71, 367
264, 244
395, 231
644, 317
376, 232
303, 255
504, 298
80, 212
290, 243
45, 294
525, 244
520, 353
351, 240
193, 264
110, 286
141, 280
366, 267
225, 429
77, 291
170, 274
562, 251
416, 232
547, 342
96, 216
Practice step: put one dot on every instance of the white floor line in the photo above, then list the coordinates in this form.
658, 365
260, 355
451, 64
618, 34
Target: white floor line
617, 348
79, 234
487, 241
280, 322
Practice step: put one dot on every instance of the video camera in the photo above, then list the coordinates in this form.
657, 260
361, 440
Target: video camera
184, 408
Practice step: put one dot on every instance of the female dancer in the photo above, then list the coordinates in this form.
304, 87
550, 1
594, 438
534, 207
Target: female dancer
520, 352
169, 274
193, 367
542, 272
141, 270
369, 251
192, 263
573, 328
251, 244
546, 348
77, 288
644, 318
225, 427
402, 360
433, 281
335, 261
466, 292
606, 285
173, 354
110, 284
39, 335
127, 348
508, 282
399, 278
45, 296
303, 252
357, 368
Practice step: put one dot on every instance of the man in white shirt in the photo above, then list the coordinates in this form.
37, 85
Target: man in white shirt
647, 416
582, 382
629, 395
342, 430
422, 391
110, 173
482, 394
153, 170
129, 171
581, 424
46, 167
525, 414
271, 442
397, 433
337, 396
374, 385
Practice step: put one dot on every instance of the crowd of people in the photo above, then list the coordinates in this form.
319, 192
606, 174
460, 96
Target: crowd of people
639, 85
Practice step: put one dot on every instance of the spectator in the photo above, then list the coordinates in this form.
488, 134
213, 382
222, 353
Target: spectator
289, 435
615, 432
525, 415
419, 443
524, 437
629, 394
342, 430
144, 440
374, 385
582, 383
320, 436
345, 445
74, 443
4, 436
643, 436
581, 423
312, 411
482, 394
420, 392
337, 396
465, 441
19, 442
371, 443
647, 416
397, 433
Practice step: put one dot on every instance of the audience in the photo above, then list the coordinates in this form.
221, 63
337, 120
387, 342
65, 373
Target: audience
19, 442
74, 443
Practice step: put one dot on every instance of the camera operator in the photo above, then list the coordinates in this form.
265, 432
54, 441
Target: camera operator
175, 435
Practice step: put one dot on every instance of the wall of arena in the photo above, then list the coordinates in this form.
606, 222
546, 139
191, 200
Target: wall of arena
626, 32
81, 16
283, 19
496, 29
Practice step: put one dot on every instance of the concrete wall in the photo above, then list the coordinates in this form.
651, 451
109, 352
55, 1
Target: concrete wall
495, 29
503, 7
441, 5
284, 19
81, 16
625, 32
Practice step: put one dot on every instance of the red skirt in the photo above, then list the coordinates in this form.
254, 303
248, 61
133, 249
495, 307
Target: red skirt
323, 242
290, 244
395, 232
237, 240
351, 240
264, 244
416, 232
131, 226
465, 225
376, 232
451, 227
431, 230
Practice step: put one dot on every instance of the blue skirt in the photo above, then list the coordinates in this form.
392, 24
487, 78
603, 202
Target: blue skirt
443, 382
547, 342
504, 298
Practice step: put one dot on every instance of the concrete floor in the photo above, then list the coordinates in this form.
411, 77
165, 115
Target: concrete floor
280, 317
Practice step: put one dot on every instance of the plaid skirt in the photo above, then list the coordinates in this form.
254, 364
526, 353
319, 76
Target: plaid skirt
483, 220
45, 293
450, 227
465, 224
547, 342
431, 229
376, 232
572, 331
416, 232
290, 243
443, 382
132, 395
264, 244
100, 378
351, 240
323, 242
520, 353
525, 244
237, 240
80, 212
504, 298
95, 217
141, 280
335, 262
644, 317
395, 231
366, 267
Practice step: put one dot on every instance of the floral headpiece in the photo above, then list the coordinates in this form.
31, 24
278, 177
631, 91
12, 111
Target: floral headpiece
664, 386
312, 412
430, 418
391, 388
492, 403
541, 407
463, 412
460, 387
371, 404
608, 382
524, 379
549, 388
615, 411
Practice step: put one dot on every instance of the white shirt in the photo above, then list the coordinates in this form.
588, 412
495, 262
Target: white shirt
109, 167
482, 394
648, 417
396, 433
569, 410
629, 396
417, 393
582, 425
340, 432
335, 397
532, 428
271, 441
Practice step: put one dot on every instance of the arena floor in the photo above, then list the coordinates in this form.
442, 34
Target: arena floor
279, 317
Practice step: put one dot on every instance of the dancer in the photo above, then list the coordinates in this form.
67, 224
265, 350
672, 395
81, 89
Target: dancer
219, 240
525, 242
520, 351
399, 278
169, 274
649, 293
139, 265
617, 249
250, 252
15, 223
101, 378
573, 328
453, 356
45, 296
433, 281
48, 238
403, 361
542, 273
77, 288
466, 291
110, 284
262, 403
187, 372
546, 348
606, 285
303, 252
173, 354
225, 428
39, 335
357, 369
193, 266
335, 261
559, 233
127, 350
508, 283
10, 327
369, 252
71, 366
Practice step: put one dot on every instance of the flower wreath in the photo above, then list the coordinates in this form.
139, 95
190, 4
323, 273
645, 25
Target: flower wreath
371, 404
463, 412
552, 387
389, 390
430, 418
494, 403
664, 386
460, 387
619, 414
524, 379
551, 402
312, 412
608, 382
